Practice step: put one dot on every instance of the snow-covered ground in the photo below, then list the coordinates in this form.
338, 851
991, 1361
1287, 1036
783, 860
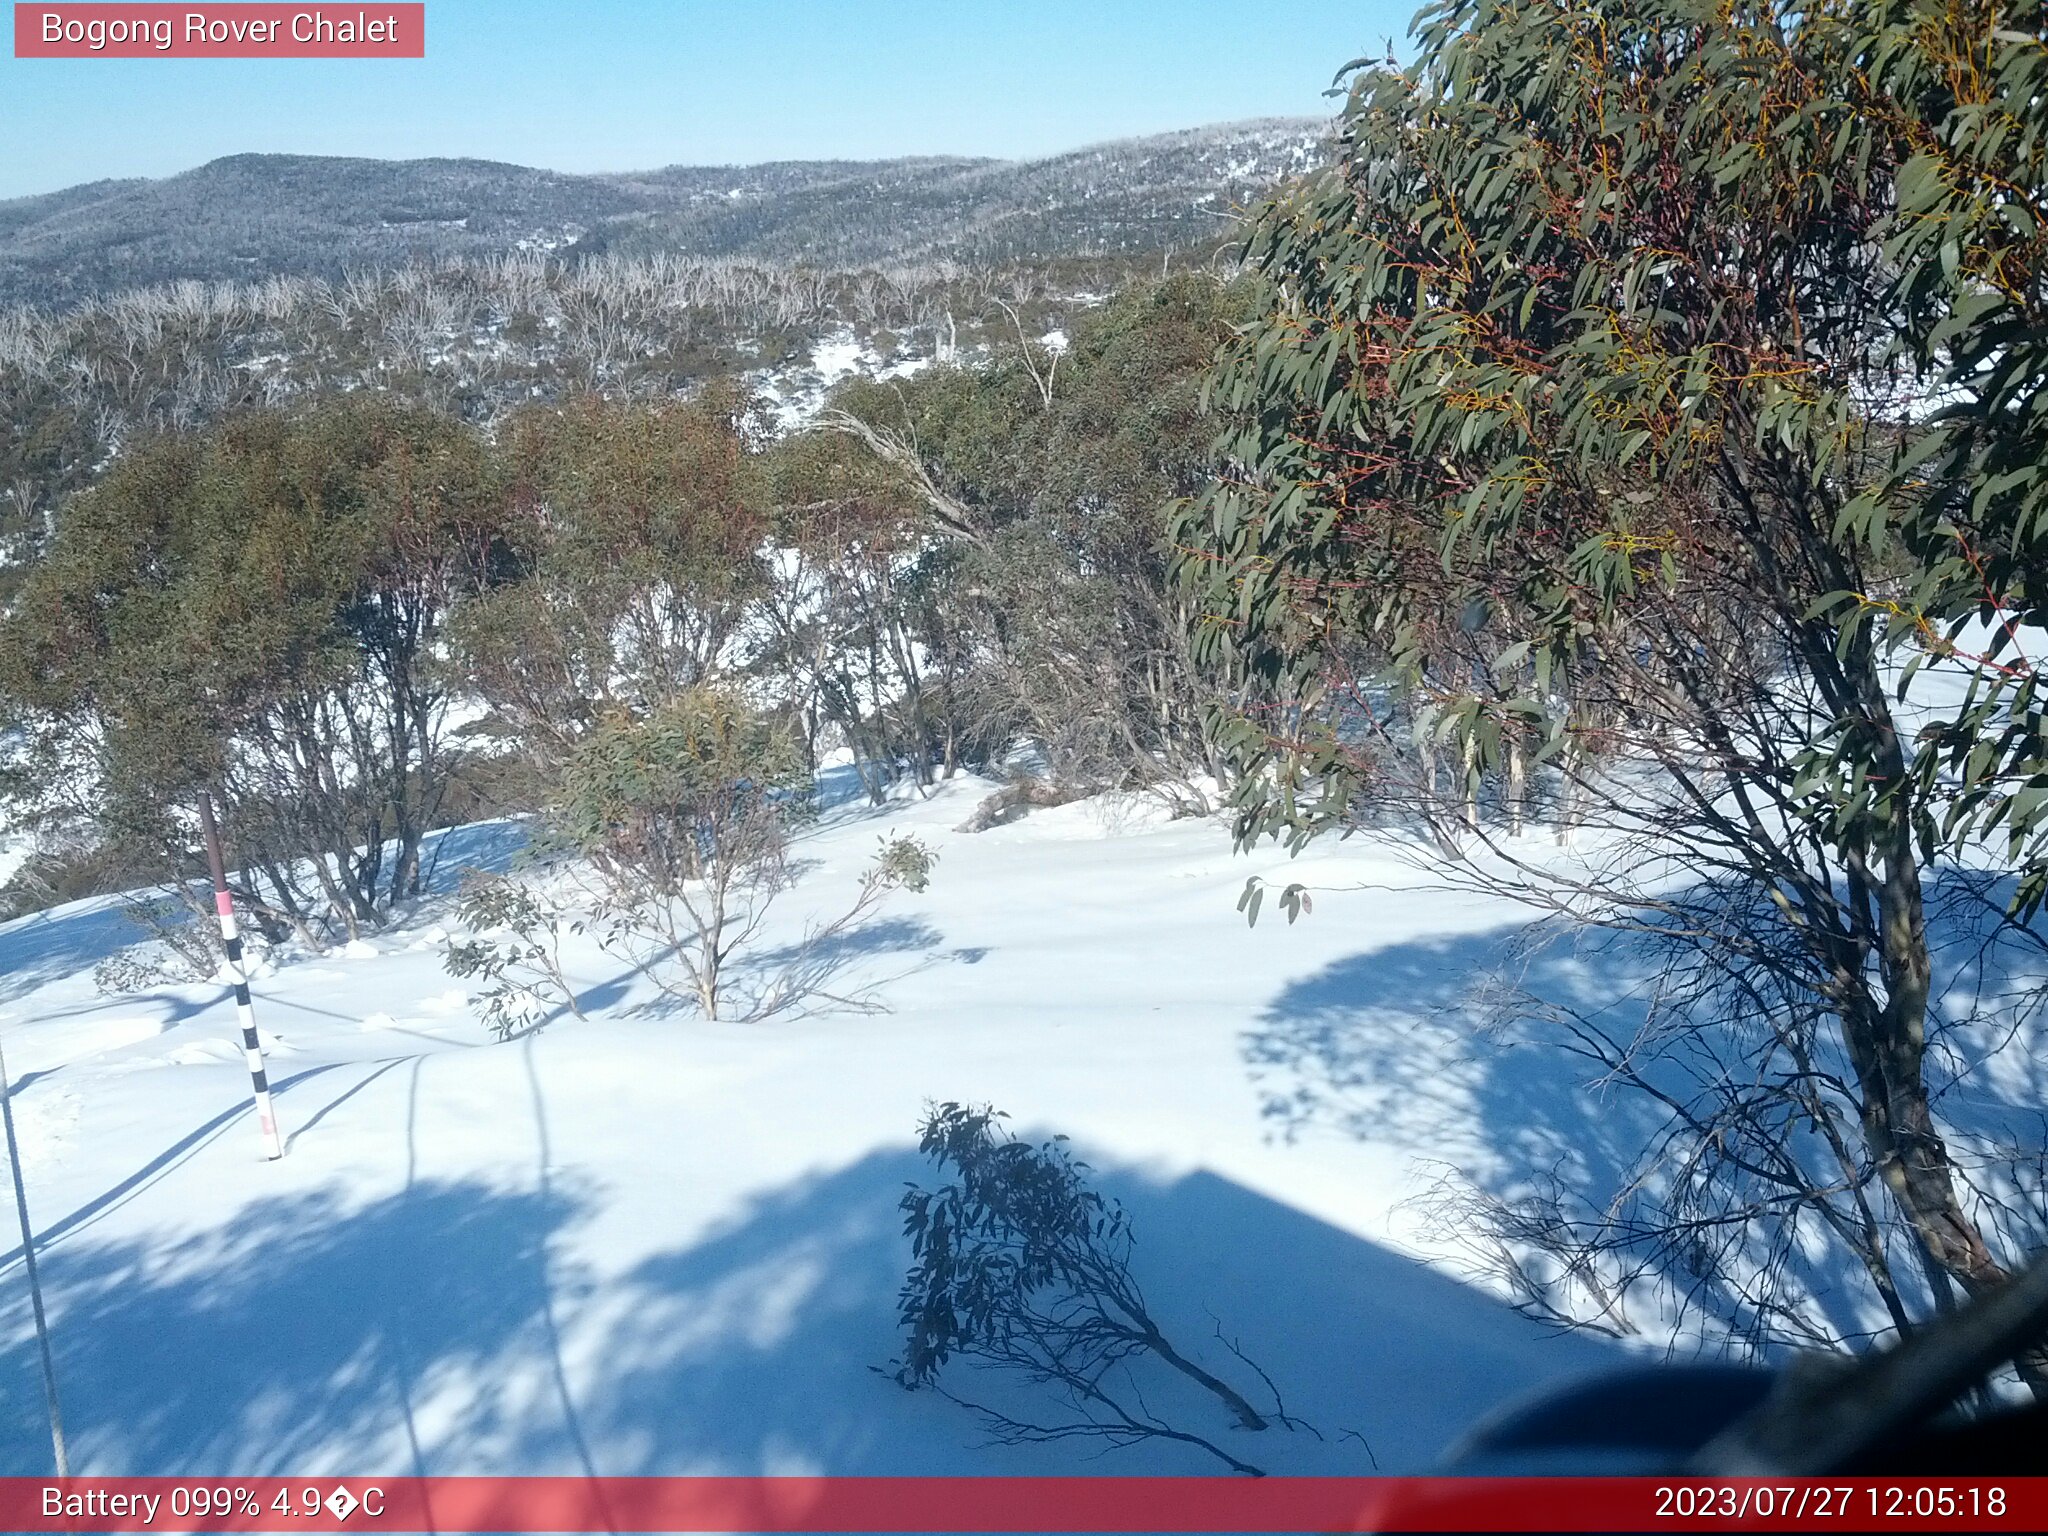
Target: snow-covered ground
644, 1243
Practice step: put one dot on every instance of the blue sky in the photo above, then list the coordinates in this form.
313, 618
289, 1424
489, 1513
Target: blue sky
589, 85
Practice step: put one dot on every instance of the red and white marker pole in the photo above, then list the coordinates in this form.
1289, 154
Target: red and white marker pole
224, 904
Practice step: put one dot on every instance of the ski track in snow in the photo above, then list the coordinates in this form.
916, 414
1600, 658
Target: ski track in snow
645, 1243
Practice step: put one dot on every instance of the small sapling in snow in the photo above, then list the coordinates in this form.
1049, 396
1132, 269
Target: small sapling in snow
516, 946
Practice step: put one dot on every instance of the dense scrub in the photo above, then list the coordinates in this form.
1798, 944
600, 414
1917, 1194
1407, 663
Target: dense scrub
352, 618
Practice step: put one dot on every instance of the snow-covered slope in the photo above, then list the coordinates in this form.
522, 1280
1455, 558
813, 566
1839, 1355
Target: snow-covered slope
645, 1243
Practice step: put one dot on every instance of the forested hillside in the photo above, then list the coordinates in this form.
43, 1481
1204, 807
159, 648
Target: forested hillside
257, 216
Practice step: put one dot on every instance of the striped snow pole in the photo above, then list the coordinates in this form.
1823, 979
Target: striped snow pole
252, 1048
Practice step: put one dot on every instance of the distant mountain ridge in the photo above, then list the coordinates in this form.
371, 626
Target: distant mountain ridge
256, 215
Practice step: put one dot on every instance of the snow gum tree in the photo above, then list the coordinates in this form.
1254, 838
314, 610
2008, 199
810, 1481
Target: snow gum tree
1592, 417
683, 815
1034, 575
258, 609
871, 621
636, 530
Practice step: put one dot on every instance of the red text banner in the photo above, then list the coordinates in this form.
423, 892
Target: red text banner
450, 1505
236, 31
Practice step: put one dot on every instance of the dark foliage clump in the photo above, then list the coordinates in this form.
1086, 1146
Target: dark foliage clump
1019, 1265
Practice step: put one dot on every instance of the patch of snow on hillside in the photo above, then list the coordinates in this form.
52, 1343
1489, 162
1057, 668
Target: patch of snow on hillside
796, 394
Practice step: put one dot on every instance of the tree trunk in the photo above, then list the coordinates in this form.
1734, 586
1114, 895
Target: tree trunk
1468, 763
1518, 780
1888, 1046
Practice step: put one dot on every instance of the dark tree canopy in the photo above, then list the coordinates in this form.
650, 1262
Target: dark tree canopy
1653, 383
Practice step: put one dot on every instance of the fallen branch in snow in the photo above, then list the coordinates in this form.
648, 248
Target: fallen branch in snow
1014, 799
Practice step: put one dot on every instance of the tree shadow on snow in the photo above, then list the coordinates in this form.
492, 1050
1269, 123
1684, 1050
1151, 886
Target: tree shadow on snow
1389, 1046
47, 946
1392, 1045
64, 941
820, 975
288, 1342
490, 847
457, 1327
184, 1149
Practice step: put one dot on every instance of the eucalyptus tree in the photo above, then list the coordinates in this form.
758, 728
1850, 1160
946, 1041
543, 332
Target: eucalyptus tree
1025, 495
259, 609
1960, 90
1593, 412
635, 530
